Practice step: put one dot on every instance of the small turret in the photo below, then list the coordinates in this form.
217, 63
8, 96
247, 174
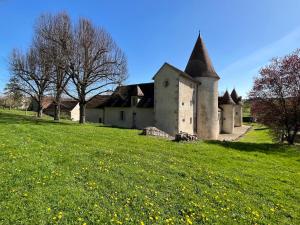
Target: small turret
228, 106
238, 109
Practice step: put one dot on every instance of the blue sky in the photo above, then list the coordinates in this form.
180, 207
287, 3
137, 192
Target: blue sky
241, 36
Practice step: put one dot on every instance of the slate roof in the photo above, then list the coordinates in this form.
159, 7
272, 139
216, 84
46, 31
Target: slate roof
66, 105
226, 99
199, 64
122, 96
97, 101
237, 99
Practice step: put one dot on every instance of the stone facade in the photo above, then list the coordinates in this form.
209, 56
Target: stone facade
177, 102
166, 86
129, 117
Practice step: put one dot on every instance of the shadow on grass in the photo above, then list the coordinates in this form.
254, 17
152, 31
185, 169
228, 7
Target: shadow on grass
267, 148
11, 118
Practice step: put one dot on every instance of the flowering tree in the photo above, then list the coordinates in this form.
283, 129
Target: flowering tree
276, 97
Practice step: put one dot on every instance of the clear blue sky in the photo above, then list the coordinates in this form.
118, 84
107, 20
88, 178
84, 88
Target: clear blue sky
240, 35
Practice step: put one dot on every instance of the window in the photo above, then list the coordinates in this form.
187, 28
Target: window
100, 120
166, 83
122, 115
183, 120
191, 120
182, 103
236, 113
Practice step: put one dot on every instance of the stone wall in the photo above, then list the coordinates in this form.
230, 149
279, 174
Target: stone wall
207, 108
238, 115
75, 113
166, 84
228, 119
187, 106
95, 115
143, 117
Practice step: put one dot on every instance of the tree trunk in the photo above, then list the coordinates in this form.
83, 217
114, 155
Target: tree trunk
291, 137
82, 107
57, 112
40, 110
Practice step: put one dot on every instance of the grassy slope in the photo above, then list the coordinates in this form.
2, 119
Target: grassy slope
72, 174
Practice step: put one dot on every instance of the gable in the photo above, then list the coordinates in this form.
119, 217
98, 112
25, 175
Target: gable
168, 68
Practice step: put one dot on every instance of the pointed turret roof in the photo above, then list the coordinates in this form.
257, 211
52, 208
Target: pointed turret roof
227, 100
235, 97
199, 64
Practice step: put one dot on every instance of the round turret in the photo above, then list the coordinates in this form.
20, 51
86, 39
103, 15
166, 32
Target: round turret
200, 67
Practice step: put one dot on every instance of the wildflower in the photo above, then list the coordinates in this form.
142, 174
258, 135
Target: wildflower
59, 215
142, 223
49, 209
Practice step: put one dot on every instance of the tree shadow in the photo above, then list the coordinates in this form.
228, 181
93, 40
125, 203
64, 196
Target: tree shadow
12, 118
266, 148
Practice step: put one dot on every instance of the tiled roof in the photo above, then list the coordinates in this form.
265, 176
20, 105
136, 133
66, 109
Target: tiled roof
122, 96
66, 105
97, 101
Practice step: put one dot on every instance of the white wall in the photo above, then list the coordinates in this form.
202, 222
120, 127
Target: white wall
207, 108
144, 117
228, 119
238, 115
75, 113
93, 115
166, 100
187, 105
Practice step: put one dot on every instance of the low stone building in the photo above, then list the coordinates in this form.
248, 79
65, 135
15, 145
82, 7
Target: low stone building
177, 101
68, 108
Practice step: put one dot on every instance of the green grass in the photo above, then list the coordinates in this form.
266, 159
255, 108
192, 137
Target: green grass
66, 173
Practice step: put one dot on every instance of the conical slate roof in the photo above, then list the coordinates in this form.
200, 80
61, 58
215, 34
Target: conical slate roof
199, 64
235, 97
227, 100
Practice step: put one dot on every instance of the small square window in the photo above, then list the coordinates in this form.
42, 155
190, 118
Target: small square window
122, 115
166, 83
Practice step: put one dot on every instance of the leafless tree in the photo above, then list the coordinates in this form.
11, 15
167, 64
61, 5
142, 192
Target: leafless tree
55, 32
97, 64
32, 73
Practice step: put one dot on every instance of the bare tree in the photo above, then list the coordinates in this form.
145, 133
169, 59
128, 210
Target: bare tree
31, 71
56, 35
276, 96
97, 64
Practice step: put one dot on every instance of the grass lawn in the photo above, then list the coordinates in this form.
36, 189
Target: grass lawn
68, 173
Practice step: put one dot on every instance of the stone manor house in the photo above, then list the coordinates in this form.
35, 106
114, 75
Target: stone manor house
177, 101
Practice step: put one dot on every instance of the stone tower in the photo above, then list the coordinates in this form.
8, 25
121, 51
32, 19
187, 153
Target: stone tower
200, 67
228, 107
238, 109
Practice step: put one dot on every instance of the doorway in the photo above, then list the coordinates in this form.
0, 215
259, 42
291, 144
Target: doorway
133, 120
